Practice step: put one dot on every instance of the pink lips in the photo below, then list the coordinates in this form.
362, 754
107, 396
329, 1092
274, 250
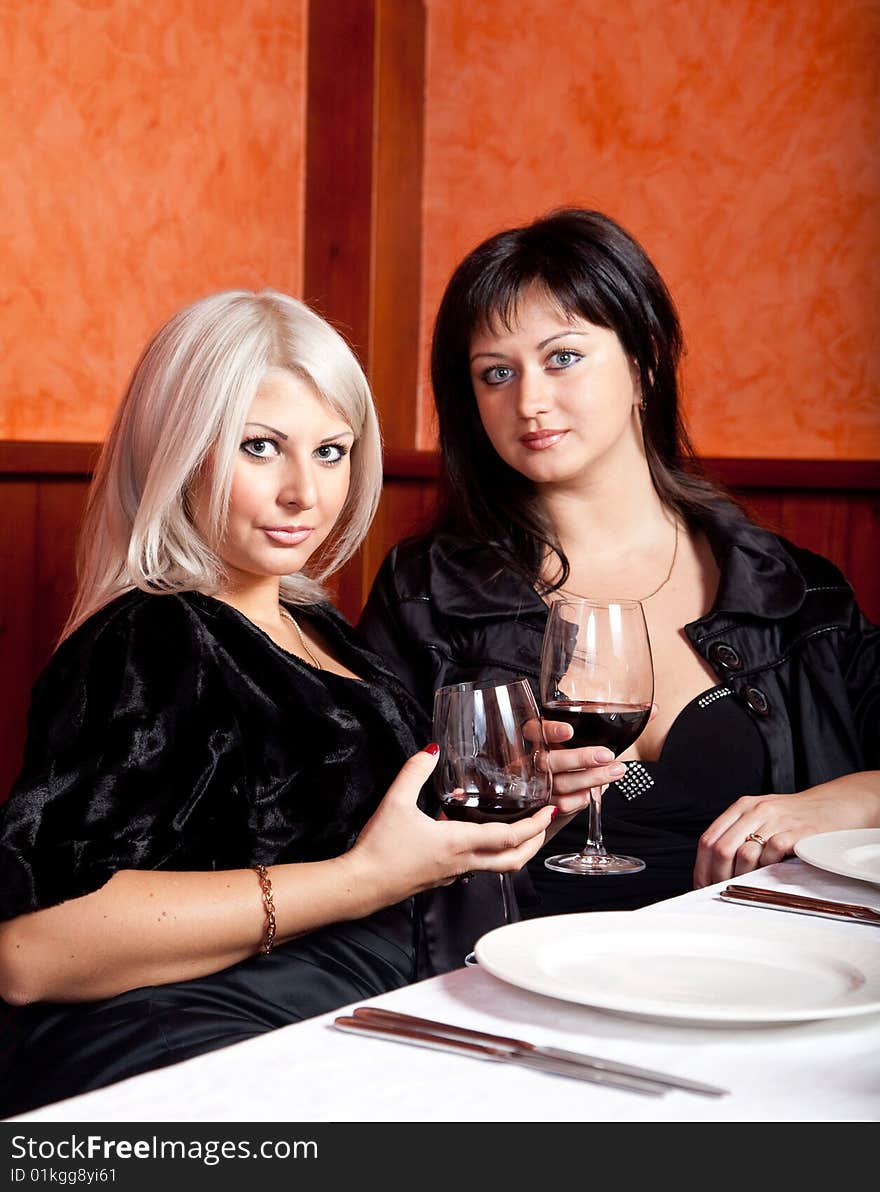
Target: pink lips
540, 440
287, 535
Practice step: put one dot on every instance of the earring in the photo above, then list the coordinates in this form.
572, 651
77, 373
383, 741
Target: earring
642, 405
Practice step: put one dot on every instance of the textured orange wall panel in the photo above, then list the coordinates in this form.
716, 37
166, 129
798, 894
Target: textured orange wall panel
152, 153
737, 140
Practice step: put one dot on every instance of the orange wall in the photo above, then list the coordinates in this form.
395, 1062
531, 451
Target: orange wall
152, 153
737, 140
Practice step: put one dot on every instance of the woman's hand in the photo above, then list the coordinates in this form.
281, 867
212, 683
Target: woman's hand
577, 772
759, 830
402, 851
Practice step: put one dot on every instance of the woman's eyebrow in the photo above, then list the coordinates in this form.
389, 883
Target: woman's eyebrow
543, 344
560, 335
264, 426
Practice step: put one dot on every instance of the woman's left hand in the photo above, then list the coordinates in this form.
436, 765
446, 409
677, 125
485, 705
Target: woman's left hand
759, 830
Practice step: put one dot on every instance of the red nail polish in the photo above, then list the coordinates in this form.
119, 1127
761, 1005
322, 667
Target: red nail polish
554, 811
433, 749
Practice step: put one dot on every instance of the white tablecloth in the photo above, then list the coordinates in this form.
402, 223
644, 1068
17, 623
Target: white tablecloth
817, 1071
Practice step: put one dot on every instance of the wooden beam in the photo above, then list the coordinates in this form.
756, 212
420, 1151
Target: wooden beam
363, 209
49, 459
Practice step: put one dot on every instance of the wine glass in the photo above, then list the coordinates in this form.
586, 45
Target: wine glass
597, 676
490, 770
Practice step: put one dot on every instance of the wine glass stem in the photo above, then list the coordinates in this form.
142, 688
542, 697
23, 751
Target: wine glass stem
508, 899
594, 846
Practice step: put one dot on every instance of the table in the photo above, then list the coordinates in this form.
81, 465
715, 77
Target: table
308, 1072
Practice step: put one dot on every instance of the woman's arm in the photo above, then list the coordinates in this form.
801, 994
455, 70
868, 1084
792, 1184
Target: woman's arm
154, 927
724, 851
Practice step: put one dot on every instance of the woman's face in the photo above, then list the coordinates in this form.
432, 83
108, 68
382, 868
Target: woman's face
557, 395
289, 482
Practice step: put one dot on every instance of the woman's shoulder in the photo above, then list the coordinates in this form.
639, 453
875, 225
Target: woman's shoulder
765, 573
135, 613
444, 561
136, 632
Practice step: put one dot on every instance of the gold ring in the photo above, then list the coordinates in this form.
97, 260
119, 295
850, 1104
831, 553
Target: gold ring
755, 836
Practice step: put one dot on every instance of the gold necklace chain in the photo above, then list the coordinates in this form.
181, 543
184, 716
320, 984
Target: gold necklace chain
299, 633
662, 584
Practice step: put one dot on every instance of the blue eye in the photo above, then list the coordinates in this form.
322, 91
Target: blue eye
496, 375
331, 453
564, 358
260, 448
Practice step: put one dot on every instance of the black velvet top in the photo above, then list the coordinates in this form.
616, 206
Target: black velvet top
169, 732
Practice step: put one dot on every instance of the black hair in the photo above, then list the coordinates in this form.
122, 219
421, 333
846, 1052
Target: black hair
593, 269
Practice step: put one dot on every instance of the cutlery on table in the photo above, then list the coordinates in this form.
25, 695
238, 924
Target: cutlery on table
389, 1024
803, 904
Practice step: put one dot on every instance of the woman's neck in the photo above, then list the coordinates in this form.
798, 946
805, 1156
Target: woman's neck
603, 509
607, 528
255, 598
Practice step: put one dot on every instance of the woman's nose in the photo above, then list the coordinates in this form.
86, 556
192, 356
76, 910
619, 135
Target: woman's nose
298, 489
533, 396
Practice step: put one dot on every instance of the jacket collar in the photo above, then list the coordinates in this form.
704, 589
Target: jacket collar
469, 581
758, 575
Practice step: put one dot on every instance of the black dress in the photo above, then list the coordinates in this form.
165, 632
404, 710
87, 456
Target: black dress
168, 732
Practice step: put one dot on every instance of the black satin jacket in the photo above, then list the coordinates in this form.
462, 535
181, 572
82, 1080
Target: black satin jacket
785, 634
169, 732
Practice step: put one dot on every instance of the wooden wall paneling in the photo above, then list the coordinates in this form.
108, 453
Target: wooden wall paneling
857, 547
406, 509
19, 610
43, 488
60, 508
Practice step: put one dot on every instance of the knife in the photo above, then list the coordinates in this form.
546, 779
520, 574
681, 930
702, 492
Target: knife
519, 1048
483, 1051
803, 904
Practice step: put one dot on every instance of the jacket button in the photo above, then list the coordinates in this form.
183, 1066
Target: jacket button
724, 655
757, 701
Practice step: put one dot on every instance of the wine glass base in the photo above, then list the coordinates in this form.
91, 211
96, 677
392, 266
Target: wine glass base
594, 864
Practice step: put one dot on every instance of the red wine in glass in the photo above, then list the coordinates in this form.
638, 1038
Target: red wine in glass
491, 738
616, 726
456, 807
597, 676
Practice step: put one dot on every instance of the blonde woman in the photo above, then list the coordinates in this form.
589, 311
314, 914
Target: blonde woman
216, 829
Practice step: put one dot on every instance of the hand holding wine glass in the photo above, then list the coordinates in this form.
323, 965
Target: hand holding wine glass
492, 765
597, 676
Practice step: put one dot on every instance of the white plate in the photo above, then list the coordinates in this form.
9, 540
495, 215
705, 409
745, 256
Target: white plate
854, 853
690, 968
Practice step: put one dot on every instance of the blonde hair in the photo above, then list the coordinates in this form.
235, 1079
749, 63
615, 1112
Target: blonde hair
190, 393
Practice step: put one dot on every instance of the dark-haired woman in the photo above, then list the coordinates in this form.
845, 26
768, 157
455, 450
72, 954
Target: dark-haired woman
567, 470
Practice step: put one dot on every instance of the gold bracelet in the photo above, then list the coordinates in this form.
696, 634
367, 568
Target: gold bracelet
268, 903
